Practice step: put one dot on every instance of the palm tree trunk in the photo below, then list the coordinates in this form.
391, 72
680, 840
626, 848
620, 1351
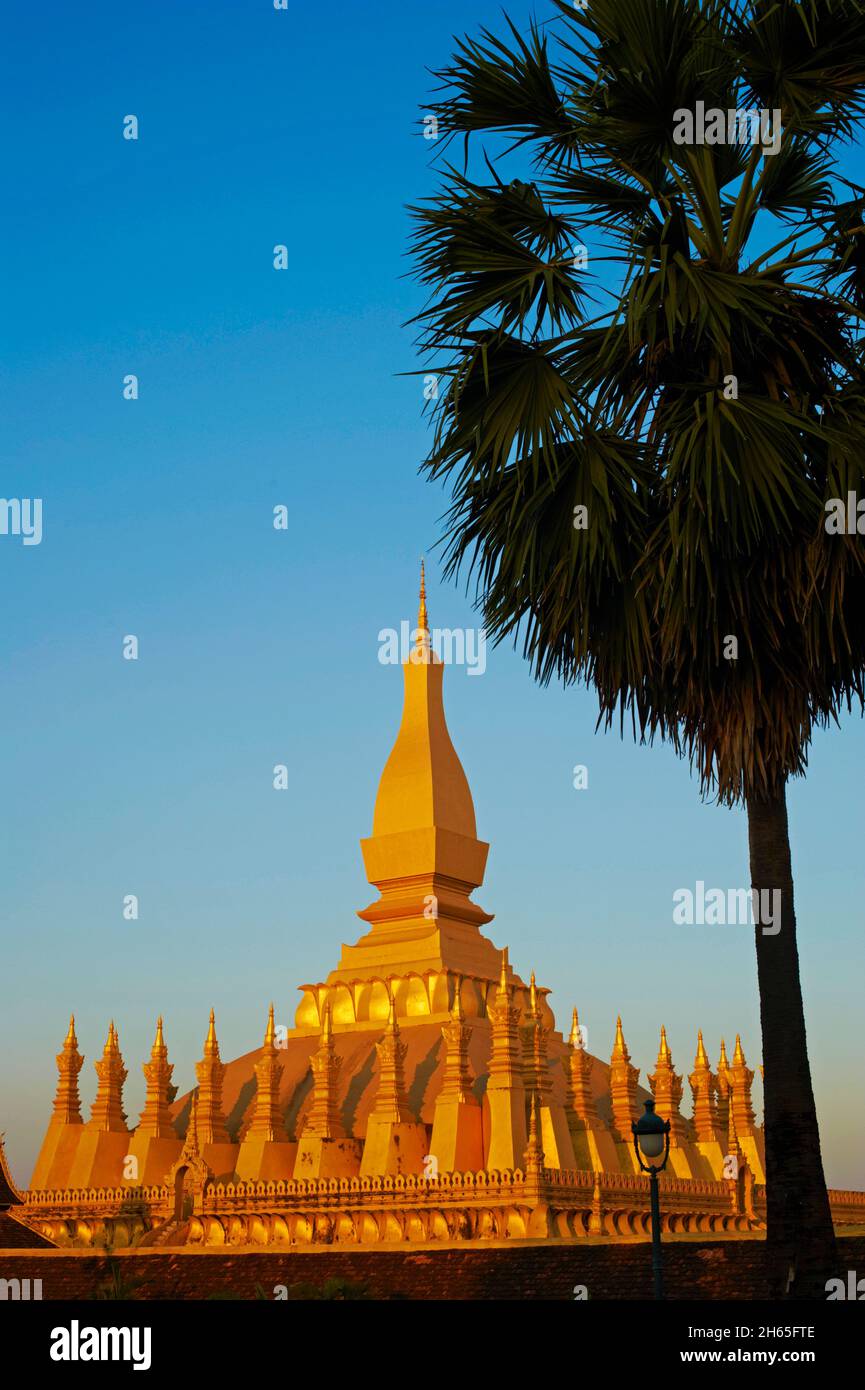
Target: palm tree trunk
800, 1240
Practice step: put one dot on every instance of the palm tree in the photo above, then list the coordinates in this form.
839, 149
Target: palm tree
639, 461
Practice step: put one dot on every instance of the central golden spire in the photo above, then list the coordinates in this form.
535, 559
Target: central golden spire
422, 640
423, 855
423, 785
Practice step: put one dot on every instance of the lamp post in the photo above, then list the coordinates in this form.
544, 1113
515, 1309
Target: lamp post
652, 1135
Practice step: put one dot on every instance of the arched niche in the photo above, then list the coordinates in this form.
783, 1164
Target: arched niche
341, 1004
307, 1015
378, 1002
438, 991
415, 1001
471, 998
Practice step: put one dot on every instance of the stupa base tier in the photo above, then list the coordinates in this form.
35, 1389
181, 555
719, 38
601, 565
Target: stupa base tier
453, 1209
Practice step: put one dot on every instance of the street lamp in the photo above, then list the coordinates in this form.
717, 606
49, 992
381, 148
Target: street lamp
652, 1135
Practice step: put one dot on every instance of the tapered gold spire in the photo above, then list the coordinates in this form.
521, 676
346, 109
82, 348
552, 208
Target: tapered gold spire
457, 1134
623, 1087
704, 1087
396, 1140
210, 1072
323, 1116
457, 1078
533, 1034
156, 1117
534, 1153
666, 1084
267, 1121
67, 1106
107, 1112
579, 1100
723, 1091
741, 1110
391, 1100
190, 1144
423, 856
424, 787
422, 617
503, 981
506, 1092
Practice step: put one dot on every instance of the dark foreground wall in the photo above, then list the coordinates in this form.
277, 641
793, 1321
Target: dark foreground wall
704, 1270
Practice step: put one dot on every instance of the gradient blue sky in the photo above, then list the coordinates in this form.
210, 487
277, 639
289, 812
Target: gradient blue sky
257, 388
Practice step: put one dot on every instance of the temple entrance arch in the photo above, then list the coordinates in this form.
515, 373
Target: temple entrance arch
183, 1199
188, 1177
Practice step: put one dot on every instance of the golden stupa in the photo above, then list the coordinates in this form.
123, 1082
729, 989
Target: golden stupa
424, 1093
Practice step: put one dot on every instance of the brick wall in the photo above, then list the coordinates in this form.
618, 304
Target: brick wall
702, 1270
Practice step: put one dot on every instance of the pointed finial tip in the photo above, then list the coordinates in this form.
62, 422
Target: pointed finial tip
270, 1031
422, 615
503, 978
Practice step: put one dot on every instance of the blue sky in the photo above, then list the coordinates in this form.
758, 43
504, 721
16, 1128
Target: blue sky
257, 647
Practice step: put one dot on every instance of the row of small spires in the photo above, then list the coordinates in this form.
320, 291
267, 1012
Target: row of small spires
575, 1040
159, 1051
